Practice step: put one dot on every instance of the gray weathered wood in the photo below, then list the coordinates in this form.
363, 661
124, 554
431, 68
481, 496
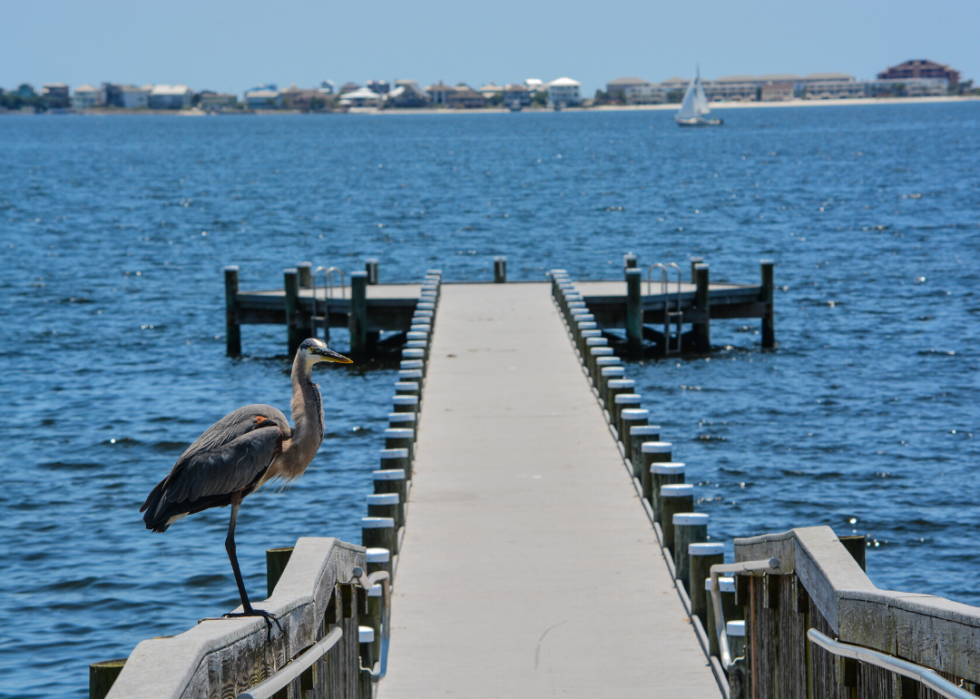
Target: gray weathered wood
689, 528
275, 563
702, 329
227, 656
768, 320
101, 677
634, 313
500, 269
358, 325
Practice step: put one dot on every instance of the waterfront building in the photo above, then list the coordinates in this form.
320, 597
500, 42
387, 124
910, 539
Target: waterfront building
362, 97
516, 96
921, 69
170, 97
534, 85
674, 85
86, 97
349, 87
132, 97
25, 90
646, 93
263, 99
465, 97
564, 92
816, 89
210, 100
616, 89
911, 87
439, 92
380, 87
327, 87
408, 95
778, 91
302, 99
55, 92
490, 90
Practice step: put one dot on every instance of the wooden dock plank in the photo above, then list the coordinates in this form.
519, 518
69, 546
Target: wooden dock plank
528, 566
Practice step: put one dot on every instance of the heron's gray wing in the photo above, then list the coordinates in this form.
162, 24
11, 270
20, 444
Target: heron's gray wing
226, 468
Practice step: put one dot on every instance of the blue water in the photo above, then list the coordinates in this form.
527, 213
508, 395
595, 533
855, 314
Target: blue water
114, 230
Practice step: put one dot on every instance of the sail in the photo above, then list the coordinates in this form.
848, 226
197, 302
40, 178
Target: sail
688, 108
700, 100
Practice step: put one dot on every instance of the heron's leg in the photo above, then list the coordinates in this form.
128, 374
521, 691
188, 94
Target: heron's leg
248, 610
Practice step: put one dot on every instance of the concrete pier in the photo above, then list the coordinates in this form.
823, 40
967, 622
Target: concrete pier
529, 567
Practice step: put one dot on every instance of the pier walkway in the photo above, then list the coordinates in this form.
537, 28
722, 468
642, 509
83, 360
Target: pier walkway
530, 567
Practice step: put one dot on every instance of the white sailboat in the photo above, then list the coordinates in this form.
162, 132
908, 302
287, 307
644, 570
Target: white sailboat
694, 109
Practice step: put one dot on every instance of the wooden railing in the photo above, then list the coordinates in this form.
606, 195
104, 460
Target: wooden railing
316, 594
819, 585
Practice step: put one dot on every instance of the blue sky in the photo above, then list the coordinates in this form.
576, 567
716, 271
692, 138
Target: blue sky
231, 46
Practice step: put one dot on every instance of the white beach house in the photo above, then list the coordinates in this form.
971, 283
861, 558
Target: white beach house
86, 97
170, 97
564, 92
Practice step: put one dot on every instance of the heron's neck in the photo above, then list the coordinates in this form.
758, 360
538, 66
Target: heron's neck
307, 408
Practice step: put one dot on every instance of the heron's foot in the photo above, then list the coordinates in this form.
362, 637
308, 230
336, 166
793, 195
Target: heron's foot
269, 618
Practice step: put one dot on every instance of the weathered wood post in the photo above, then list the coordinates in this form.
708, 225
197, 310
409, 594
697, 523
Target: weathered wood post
379, 532
401, 439
406, 404
604, 363
702, 329
673, 500
365, 639
629, 262
857, 546
624, 401
293, 332
275, 564
703, 555
392, 480
386, 505
607, 374
374, 616
406, 388
689, 528
653, 452
404, 421
695, 261
737, 680
594, 354
357, 322
378, 559
101, 677
725, 585
305, 272
638, 435
499, 269
615, 388
233, 331
661, 474
634, 313
768, 324
371, 267
628, 419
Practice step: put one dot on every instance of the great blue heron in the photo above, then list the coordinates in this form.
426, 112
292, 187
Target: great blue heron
240, 452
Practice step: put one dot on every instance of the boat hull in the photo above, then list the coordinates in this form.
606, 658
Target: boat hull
697, 121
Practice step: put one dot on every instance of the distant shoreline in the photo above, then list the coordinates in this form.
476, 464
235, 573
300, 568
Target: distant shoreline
861, 101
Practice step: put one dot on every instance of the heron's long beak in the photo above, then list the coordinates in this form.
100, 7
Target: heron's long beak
328, 355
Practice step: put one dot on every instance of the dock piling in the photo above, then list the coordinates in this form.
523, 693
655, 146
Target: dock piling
294, 328
233, 331
702, 555
392, 480
695, 261
689, 528
702, 329
654, 454
674, 499
379, 532
499, 269
634, 313
371, 268
101, 677
768, 325
275, 564
630, 261
305, 271
358, 314
638, 435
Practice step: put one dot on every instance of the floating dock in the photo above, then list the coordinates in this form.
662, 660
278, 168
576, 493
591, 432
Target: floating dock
529, 568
